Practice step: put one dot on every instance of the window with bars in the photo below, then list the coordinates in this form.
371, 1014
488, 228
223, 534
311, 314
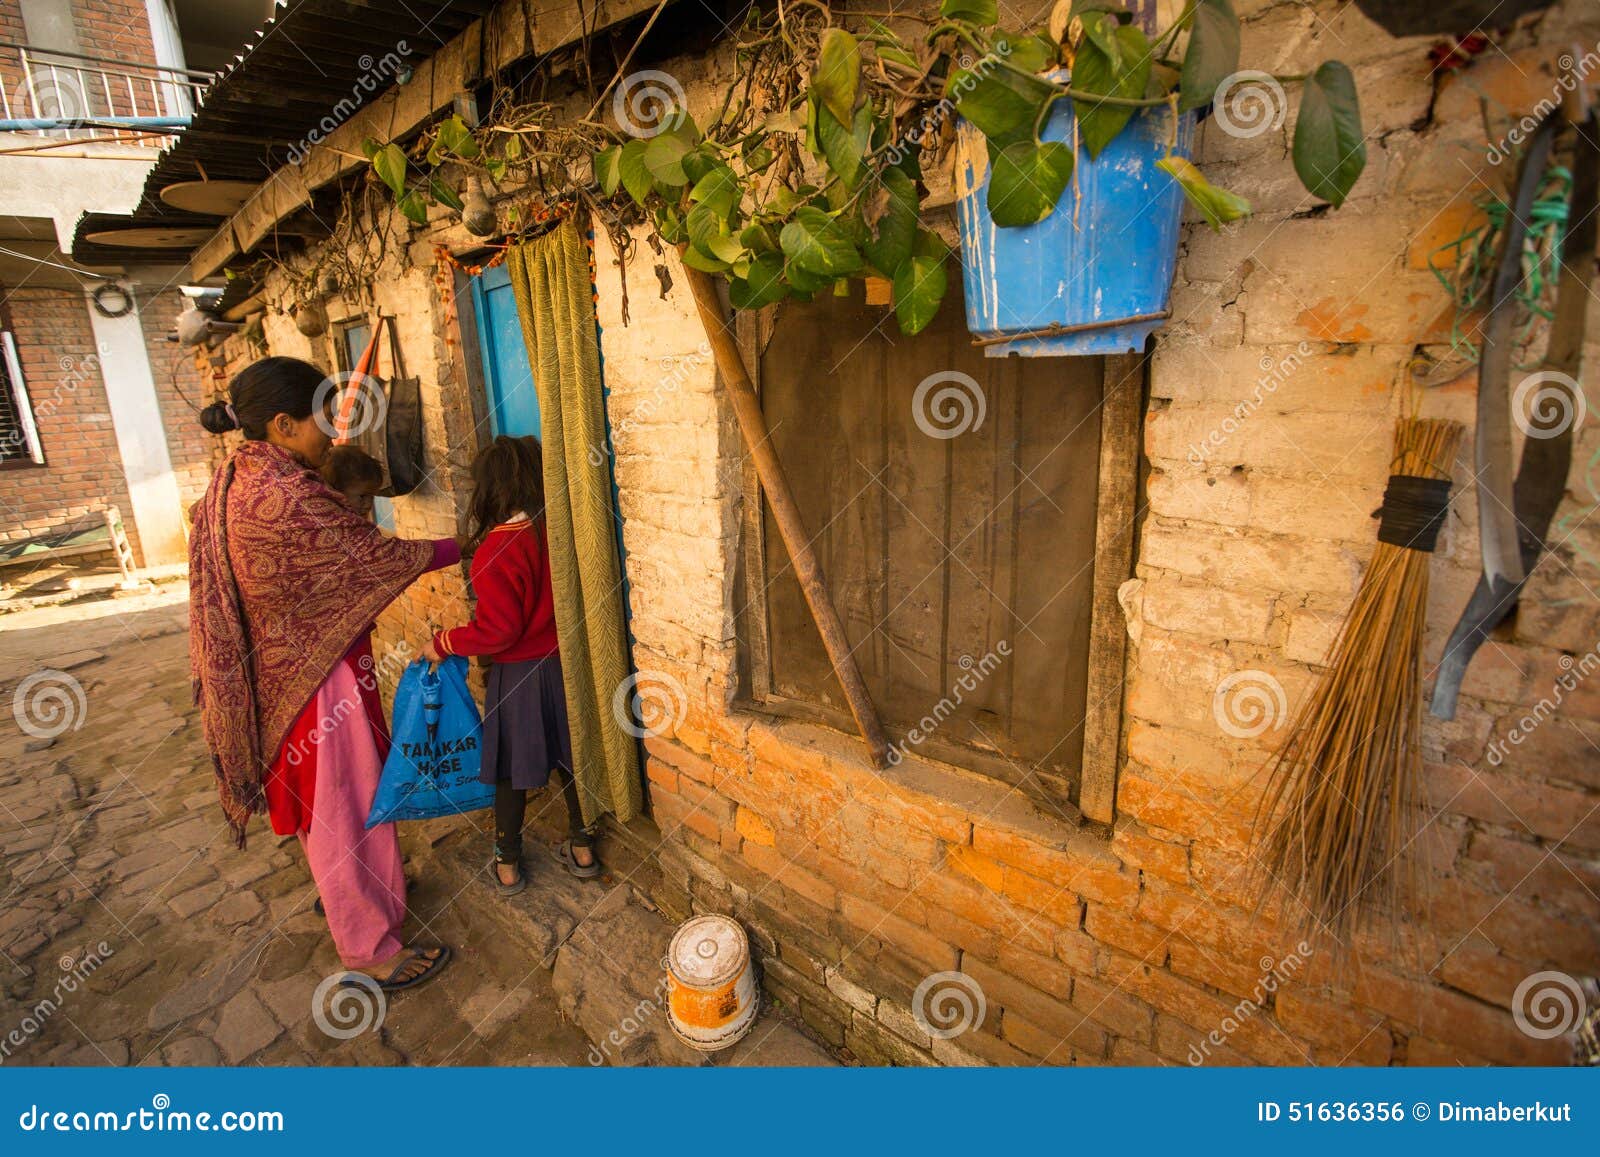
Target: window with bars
19, 438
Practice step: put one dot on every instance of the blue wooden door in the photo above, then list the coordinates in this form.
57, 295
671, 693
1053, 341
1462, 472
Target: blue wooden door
508, 378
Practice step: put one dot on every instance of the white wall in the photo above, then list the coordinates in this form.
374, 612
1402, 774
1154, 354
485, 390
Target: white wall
136, 417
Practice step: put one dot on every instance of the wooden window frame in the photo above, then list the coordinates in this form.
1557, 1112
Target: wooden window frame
338, 330
24, 404
1119, 480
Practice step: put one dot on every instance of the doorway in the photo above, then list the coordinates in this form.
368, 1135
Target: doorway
507, 375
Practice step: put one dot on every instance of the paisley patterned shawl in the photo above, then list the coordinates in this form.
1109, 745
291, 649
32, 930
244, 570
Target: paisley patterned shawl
283, 579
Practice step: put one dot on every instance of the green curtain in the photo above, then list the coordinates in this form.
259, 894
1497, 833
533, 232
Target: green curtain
555, 301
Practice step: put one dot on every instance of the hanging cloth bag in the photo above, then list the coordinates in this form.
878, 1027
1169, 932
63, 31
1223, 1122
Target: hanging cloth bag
402, 431
432, 769
384, 419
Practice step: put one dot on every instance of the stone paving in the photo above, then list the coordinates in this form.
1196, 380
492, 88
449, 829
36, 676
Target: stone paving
132, 932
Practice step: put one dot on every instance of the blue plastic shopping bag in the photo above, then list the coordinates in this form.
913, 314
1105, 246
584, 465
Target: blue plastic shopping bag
432, 769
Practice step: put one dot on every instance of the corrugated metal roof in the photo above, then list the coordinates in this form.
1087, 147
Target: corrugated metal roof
292, 74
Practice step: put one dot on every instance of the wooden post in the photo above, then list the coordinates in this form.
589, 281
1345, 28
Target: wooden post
775, 484
1121, 412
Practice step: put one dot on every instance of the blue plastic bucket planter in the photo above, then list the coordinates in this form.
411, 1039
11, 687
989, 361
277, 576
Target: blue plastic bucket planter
1094, 277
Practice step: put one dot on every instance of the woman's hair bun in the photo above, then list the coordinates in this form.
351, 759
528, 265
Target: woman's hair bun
217, 419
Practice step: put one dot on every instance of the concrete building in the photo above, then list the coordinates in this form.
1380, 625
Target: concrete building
94, 408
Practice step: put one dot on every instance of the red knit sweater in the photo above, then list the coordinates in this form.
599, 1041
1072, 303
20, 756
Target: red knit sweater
515, 619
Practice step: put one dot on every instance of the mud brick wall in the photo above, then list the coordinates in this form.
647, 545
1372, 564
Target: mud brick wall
1136, 943
83, 466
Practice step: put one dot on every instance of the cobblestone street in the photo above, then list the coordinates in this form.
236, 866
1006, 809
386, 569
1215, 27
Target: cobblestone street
131, 930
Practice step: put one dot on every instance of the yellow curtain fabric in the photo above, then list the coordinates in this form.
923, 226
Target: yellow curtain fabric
552, 282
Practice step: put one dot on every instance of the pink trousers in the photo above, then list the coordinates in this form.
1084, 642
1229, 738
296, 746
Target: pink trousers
358, 872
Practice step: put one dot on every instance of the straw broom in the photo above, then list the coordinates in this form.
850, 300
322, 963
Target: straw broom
1342, 795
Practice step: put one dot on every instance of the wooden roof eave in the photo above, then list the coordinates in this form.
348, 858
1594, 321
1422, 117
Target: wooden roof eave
404, 109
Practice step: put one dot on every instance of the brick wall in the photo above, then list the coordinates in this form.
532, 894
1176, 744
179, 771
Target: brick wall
1136, 942
12, 30
429, 347
83, 469
11, 27
114, 30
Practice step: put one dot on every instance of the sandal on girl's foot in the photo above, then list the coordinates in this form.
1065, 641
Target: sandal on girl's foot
500, 885
393, 982
583, 871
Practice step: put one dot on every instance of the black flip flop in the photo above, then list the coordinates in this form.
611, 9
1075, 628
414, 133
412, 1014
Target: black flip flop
500, 885
582, 871
435, 967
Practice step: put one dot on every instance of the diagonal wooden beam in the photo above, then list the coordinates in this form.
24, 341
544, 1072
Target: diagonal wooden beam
785, 511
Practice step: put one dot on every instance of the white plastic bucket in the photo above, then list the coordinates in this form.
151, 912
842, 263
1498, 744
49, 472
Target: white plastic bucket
711, 993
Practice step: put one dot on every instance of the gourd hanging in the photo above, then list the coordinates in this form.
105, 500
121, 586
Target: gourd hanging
476, 212
310, 318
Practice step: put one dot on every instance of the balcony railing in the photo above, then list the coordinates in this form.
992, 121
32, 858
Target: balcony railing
70, 96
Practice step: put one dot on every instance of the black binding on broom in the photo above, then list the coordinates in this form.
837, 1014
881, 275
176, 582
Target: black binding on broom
1413, 511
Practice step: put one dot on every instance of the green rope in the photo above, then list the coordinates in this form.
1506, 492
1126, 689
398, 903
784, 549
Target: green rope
1469, 267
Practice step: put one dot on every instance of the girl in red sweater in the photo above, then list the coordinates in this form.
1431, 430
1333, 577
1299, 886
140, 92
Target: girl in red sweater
525, 735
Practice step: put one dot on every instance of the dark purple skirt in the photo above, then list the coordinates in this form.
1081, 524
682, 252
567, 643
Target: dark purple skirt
525, 731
